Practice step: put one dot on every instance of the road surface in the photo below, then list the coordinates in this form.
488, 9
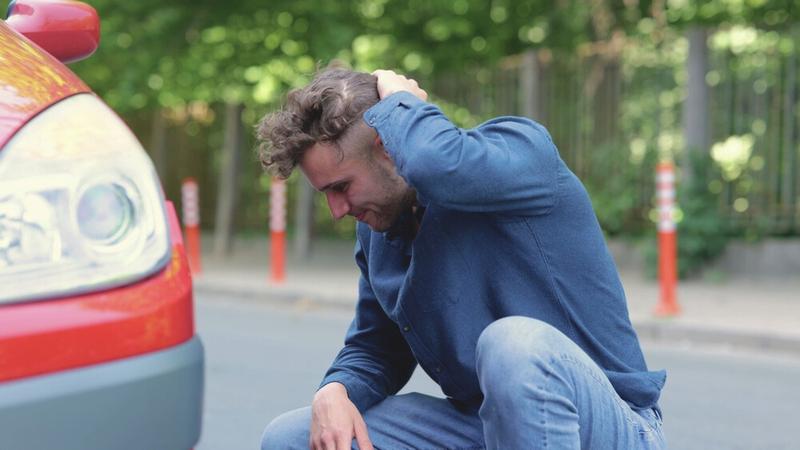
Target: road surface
263, 358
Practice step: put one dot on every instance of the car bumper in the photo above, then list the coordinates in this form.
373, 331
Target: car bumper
152, 401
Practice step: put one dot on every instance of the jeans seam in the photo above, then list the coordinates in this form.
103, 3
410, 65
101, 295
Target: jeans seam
456, 448
548, 376
643, 428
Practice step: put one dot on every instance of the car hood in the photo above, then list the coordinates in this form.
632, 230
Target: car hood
30, 81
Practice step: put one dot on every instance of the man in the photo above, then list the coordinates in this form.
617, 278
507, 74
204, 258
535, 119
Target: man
482, 261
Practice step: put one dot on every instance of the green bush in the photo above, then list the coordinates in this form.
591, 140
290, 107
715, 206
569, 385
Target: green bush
615, 186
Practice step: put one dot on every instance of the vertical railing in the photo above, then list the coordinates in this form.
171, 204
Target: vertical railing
552, 88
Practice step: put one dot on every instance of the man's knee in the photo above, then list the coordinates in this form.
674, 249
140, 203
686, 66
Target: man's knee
514, 344
288, 431
515, 335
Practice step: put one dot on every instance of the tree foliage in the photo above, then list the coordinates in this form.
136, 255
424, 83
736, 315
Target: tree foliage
166, 54
187, 58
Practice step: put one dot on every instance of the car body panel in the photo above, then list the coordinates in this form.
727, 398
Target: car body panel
30, 81
118, 367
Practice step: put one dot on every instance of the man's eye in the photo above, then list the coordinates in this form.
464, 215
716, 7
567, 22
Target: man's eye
341, 187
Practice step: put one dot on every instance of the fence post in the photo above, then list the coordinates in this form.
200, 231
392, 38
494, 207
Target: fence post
303, 219
667, 237
191, 223
277, 227
228, 188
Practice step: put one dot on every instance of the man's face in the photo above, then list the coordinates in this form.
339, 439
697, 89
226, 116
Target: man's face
363, 184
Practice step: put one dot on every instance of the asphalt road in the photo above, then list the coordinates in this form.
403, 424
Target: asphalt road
264, 358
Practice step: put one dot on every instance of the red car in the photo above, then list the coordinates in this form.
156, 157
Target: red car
97, 342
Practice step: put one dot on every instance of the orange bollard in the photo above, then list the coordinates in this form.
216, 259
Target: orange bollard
277, 227
191, 223
667, 240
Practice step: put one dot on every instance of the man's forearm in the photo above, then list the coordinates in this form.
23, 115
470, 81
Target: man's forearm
509, 164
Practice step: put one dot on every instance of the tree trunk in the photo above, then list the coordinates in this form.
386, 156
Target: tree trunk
529, 81
228, 180
158, 143
789, 152
696, 124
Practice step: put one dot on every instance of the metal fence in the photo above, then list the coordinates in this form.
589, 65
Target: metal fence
613, 117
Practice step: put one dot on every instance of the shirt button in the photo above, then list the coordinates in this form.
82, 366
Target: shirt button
406, 328
438, 370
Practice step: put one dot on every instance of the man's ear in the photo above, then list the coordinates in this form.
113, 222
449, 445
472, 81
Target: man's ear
378, 148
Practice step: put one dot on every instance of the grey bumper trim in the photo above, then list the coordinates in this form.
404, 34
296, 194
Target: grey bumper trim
153, 402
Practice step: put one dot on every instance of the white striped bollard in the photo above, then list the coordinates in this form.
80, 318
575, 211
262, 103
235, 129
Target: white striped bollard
277, 228
191, 223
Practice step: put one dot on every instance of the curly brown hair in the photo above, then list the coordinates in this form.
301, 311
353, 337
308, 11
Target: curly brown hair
320, 112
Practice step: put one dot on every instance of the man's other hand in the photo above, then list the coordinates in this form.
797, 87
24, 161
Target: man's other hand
390, 82
335, 420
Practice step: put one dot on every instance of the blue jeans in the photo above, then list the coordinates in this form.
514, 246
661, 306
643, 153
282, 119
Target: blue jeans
540, 391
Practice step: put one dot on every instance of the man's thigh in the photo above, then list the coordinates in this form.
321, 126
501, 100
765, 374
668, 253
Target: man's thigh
542, 390
409, 421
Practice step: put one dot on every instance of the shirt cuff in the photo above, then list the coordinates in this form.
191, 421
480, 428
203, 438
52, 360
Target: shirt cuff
388, 116
359, 392
379, 112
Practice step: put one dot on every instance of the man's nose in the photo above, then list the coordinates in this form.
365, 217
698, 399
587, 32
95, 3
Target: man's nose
338, 204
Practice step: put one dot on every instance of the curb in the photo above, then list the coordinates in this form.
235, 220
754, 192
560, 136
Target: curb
667, 331
275, 295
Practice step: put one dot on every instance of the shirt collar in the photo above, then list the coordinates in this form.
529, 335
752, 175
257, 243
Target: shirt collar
407, 224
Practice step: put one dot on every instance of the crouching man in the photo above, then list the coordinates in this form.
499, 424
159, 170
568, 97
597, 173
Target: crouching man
482, 261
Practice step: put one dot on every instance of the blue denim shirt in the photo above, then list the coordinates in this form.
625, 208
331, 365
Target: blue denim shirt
507, 230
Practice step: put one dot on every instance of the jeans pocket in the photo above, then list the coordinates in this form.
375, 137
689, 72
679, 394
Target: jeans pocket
655, 437
651, 419
653, 416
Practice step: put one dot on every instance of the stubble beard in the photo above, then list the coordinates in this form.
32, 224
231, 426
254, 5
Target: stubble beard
399, 197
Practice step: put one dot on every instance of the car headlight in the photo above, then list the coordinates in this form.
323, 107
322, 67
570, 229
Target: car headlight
81, 206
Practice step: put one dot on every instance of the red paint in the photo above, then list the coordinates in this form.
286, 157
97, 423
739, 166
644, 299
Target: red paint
68, 30
30, 81
152, 314
193, 250
667, 274
278, 256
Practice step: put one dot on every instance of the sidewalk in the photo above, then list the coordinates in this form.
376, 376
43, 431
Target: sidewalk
757, 314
